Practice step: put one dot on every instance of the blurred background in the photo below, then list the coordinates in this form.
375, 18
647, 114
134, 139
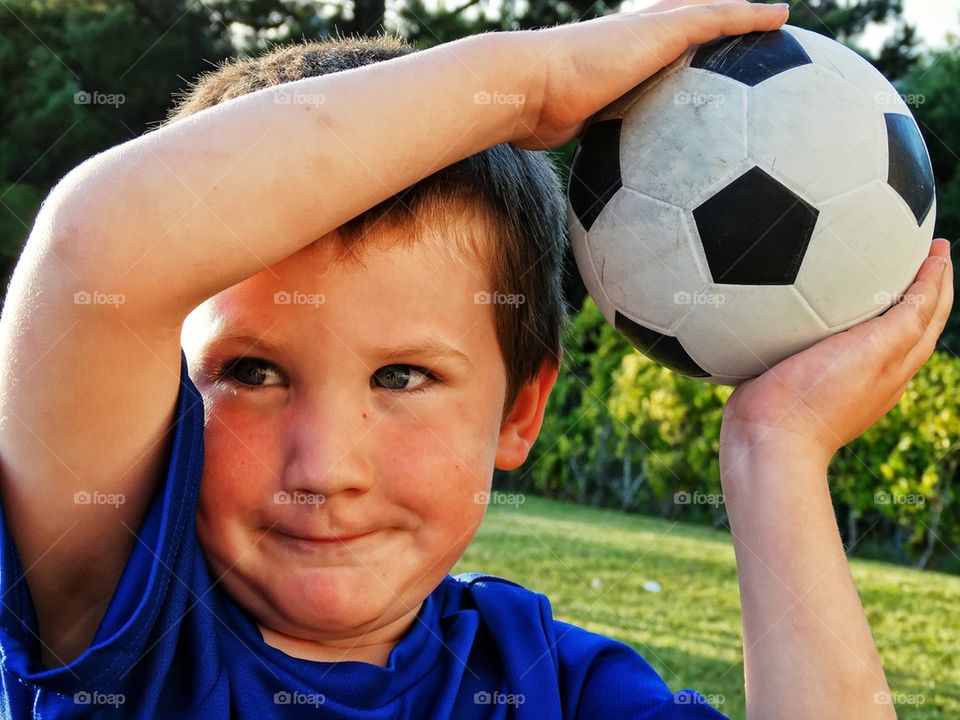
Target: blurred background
618, 515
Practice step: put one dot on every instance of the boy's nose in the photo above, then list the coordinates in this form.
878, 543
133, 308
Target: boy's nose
326, 449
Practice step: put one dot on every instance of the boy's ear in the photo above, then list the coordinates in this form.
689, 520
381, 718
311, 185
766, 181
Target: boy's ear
522, 425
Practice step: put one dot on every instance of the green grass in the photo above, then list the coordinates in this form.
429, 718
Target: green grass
690, 630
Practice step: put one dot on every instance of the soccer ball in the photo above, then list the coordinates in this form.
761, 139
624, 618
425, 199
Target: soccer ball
759, 194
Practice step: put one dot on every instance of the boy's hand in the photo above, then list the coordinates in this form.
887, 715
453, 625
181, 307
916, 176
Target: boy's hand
590, 64
820, 399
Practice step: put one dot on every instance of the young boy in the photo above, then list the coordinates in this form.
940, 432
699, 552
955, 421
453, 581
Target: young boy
336, 218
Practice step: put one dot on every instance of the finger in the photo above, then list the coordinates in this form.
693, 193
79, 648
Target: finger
902, 327
665, 5
940, 247
703, 23
941, 313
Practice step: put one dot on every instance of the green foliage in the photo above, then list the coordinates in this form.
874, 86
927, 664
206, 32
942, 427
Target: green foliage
622, 431
935, 88
670, 426
77, 78
578, 432
900, 474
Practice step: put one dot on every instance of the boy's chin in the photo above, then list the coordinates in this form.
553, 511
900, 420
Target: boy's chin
337, 598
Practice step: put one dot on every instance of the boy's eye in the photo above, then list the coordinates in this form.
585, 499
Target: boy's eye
249, 372
398, 377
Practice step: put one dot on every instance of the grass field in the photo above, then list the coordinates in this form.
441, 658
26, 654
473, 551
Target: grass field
593, 563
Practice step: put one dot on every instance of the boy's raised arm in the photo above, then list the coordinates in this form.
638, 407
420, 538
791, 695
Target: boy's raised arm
185, 211
808, 651
198, 205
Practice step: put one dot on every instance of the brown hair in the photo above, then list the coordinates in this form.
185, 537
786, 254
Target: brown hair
515, 194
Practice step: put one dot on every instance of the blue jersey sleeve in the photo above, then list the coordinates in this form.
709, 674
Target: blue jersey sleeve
555, 669
163, 578
606, 678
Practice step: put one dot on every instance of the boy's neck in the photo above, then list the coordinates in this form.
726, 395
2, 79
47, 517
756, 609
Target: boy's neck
372, 647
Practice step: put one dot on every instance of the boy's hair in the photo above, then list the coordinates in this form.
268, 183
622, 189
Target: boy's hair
514, 195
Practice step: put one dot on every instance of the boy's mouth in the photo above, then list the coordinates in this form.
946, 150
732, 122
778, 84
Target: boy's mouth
307, 541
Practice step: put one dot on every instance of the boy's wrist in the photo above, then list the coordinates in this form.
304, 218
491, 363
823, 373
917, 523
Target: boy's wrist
517, 79
751, 456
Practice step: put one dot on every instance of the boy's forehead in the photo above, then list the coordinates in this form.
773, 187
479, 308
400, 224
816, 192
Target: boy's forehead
389, 295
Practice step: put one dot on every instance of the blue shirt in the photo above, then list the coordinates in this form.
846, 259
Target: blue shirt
173, 645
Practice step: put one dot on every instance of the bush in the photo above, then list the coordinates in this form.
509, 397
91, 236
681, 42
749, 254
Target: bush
622, 431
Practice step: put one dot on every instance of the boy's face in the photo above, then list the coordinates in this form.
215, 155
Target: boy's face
330, 428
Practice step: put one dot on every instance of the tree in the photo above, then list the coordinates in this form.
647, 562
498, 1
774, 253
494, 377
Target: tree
935, 87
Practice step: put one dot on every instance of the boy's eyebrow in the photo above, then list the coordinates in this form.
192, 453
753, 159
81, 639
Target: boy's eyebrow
426, 348
248, 339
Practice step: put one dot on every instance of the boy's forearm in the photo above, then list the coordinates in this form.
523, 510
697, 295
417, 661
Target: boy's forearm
183, 212
808, 650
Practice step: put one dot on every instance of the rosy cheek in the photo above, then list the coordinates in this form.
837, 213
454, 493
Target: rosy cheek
237, 470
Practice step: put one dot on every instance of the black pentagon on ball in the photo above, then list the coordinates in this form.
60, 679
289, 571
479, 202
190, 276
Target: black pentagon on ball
910, 172
661, 348
595, 171
755, 231
752, 58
